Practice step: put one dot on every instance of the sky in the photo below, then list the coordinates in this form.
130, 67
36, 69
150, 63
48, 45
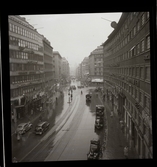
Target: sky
74, 36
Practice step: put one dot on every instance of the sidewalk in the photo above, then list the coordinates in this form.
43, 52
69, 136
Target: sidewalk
33, 117
115, 139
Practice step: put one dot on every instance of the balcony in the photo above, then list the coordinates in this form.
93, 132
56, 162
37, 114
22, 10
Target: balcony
27, 83
17, 73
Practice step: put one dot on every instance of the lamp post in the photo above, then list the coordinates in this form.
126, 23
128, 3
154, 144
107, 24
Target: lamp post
69, 95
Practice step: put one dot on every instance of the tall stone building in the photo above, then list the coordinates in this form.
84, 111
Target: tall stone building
127, 81
57, 62
85, 69
49, 68
26, 66
96, 65
65, 71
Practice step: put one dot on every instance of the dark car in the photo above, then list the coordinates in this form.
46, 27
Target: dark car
100, 110
94, 151
41, 127
99, 122
24, 127
88, 97
73, 87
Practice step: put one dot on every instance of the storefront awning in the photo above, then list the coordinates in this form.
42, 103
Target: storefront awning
97, 80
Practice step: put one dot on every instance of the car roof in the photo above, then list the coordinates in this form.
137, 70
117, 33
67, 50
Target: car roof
22, 124
99, 105
41, 123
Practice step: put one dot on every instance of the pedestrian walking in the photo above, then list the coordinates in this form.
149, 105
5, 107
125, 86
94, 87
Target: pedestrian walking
126, 152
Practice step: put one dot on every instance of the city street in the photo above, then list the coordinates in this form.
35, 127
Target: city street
68, 137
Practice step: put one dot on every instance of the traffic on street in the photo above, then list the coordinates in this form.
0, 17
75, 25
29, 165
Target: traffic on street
63, 133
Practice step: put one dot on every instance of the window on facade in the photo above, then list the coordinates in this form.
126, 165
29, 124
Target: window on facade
142, 72
147, 15
10, 27
142, 46
147, 74
140, 97
130, 71
137, 72
140, 121
138, 48
142, 19
134, 30
138, 26
148, 42
133, 93
146, 130
134, 71
147, 101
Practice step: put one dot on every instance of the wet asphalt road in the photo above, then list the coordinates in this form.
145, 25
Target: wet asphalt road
68, 137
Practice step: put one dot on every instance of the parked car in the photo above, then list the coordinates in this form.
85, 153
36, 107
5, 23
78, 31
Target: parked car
88, 97
100, 110
41, 127
24, 127
99, 122
94, 151
73, 87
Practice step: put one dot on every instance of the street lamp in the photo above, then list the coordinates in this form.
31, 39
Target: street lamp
69, 95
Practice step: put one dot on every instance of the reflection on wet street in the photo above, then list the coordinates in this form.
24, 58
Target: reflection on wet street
71, 129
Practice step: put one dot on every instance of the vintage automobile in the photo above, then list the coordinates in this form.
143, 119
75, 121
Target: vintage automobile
73, 87
88, 97
41, 127
100, 110
23, 128
94, 151
99, 122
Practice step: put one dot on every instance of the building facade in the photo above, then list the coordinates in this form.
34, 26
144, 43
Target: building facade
65, 71
26, 65
78, 72
96, 64
49, 69
127, 81
85, 69
57, 62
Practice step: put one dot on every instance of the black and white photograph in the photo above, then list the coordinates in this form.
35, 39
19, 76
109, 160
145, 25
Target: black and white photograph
79, 86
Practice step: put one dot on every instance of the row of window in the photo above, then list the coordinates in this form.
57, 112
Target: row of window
124, 36
25, 67
48, 66
138, 94
134, 112
23, 43
139, 72
99, 73
21, 31
139, 48
25, 78
20, 91
24, 55
98, 69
